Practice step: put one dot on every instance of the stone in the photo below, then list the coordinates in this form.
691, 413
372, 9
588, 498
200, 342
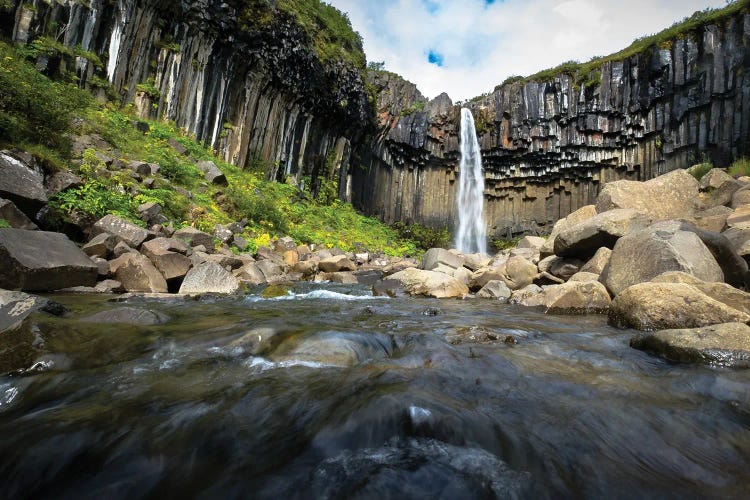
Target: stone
151, 213
717, 188
100, 246
726, 344
306, 267
179, 148
161, 245
368, 277
17, 306
138, 274
337, 264
430, 284
22, 183
474, 261
524, 293
209, 277
139, 167
193, 237
10, 213
389, 288
122, 230
584, 276
212, 173
435, 257
534, 242
121, 249
61, 181
733, 266
399, 265
270, 269
643, 255
223, 234
230, 262
603, 230
714, 219
670, 196
722, 292
661, 306
102, 266
109, 286
258, 341
331, 349
740, 218
129, 316
291, 257
481, 277
598, 262
564, 268
740, 241
172, 265
42, 261
573, 297
518, 273
544, 278
284, 244
473, 335
251, 274
345, 278
741, 197
495, 289
530, 254
580, 215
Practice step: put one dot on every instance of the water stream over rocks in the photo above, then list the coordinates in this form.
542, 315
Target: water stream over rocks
331, 393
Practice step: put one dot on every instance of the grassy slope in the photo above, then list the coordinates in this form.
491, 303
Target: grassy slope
34, 109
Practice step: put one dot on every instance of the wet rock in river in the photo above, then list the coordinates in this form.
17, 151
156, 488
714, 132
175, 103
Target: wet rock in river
258, 341
128, 315
726, 344
17, 306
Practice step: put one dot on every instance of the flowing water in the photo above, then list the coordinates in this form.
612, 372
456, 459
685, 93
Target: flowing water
363, 398
471, 236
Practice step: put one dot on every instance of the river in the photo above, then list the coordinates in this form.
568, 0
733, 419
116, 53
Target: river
557, 406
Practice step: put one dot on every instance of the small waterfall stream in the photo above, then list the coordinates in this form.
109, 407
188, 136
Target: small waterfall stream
472, 231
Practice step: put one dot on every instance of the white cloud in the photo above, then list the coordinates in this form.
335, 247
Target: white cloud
482, 44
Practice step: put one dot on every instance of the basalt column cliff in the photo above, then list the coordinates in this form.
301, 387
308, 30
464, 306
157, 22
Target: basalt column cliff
549, 146
241, 76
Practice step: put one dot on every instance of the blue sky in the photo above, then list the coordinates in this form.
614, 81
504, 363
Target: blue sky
466, 47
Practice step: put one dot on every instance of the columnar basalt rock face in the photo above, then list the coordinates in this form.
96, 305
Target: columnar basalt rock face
549, 147
253, 93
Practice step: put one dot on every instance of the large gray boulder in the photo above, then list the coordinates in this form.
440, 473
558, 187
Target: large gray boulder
13, 216
722, 292
435, 257
337, 264
661, 306
665, 246
194, 237
670, 196
100, 246
17, 306
251, 274
726, 344
22, 182
518, 273
212, 173
42, 261
598, 262
429, 283
717, 188
495, 289
573, 297
580, 215
603, 230
741, 197
209, 277
167, 255
138, 274
122, 230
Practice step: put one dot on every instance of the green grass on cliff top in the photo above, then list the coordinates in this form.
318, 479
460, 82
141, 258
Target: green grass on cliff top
582, 73
37, 115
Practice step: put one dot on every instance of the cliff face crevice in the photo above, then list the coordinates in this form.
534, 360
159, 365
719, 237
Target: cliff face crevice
548, 147
257, 94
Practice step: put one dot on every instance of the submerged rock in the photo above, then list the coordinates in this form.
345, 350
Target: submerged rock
333, 349
726, 344
17, 306
128, 315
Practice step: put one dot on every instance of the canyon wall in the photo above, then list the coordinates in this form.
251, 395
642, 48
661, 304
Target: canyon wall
253, 90
548, 147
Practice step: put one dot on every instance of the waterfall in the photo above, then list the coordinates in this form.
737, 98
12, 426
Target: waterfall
472, 231
114, 41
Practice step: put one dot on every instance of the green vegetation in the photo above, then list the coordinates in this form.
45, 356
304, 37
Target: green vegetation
329, 29
424, 237
4, 224
36, 115
500, 244
415, 107
702, 168
740, 167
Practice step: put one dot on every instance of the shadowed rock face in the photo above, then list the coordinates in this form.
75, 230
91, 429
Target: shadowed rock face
548, 147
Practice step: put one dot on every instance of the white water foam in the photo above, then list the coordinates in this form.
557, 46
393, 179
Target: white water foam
320, 294
472, 230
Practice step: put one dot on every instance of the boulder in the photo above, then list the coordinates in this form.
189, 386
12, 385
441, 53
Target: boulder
61, 181
530, 254
519, 296
735, 269
388, 288
740, 241
332, 349
337, 264
430, 283
574, 297
643, 255
714, 219
121, 249
563, 268
161, 245
251, 274
474, 261
209, 277
285, 244
151, 213
726, 344
475, 335
435, 257
584, 276
603, 230
17, 306
741, 197
22, 183
722, 292
194, 237
100, 246
138, 274
670, 196
13, 216
534, 242
481, 277
399, 265
270, 269
42, 261
661, 306
172, 265
717, 188
598, 262
495, 289
258, 341
519, 273
576, 217
129, 316
306, 267
122, 230
223, 234
109, 286
368, 276
291, 257
740, 218
212, 173
345, 278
